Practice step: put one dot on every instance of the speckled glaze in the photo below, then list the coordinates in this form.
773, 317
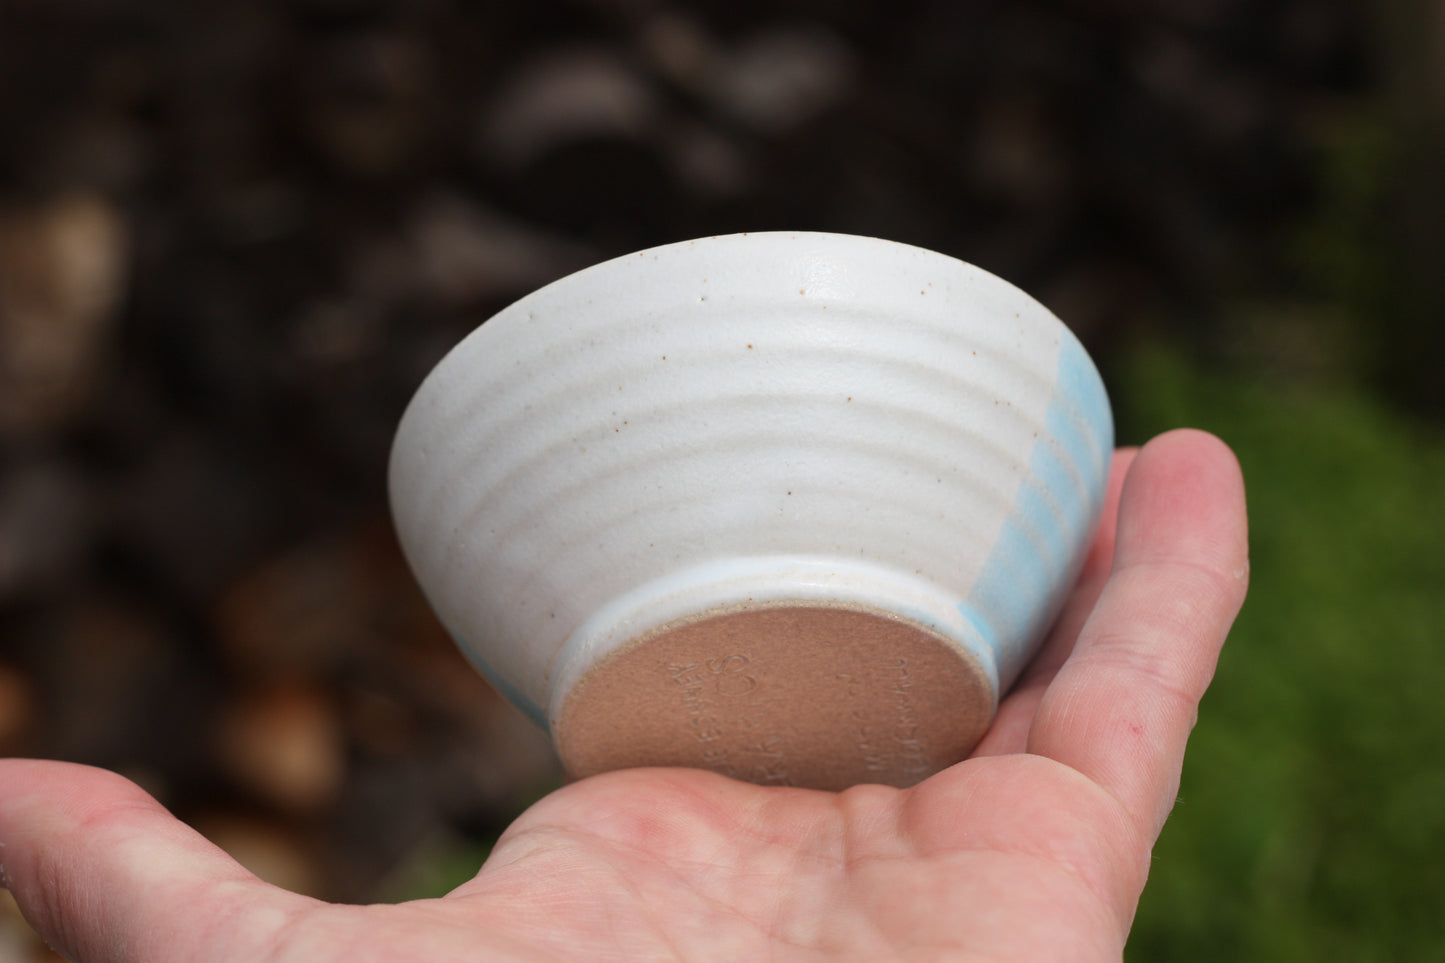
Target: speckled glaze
758, 418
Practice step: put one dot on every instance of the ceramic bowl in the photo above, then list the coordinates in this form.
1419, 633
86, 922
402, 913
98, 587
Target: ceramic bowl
793, 507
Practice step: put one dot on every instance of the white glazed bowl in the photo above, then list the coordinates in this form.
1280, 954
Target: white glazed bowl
795, 507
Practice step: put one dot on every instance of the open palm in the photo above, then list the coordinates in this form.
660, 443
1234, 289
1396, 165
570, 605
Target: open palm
1035, 848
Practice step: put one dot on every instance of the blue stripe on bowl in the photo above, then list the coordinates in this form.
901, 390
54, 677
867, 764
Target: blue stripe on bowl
1056, 509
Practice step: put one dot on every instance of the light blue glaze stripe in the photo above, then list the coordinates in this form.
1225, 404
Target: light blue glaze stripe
1024, 580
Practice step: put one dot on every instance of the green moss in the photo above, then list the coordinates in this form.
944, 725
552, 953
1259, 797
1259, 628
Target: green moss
1311, 823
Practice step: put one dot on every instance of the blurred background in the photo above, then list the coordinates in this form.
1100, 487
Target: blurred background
235, 236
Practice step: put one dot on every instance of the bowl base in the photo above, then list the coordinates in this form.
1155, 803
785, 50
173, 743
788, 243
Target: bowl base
823, 696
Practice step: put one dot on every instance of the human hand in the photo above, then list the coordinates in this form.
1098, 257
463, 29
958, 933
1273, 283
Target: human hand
1035, 848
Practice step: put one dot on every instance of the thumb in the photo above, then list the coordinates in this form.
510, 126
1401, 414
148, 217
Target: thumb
104, 873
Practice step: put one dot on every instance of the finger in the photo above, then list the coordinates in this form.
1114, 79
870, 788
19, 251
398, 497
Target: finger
1010, 730
1121, 708
103, 872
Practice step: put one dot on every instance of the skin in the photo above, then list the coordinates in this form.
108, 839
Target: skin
1035, 848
